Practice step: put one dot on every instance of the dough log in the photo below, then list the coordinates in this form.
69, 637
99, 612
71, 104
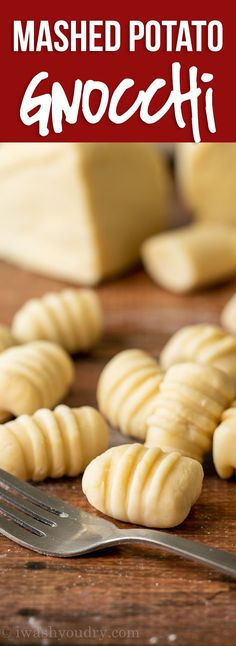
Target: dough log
195, 256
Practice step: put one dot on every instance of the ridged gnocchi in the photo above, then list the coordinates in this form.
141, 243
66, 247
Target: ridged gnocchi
6, 338
52, 443
224, 444
189, 407
207, 344
72, 318
4, 416
6, 341
33, 376
127, 391
143, 485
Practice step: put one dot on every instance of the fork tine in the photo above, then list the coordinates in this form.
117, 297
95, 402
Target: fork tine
20, 535
32, 493
22, 519
28, 507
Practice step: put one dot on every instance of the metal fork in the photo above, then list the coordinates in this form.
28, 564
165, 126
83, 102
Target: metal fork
48, 525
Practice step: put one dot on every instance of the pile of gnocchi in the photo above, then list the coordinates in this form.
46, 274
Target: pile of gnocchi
178, 409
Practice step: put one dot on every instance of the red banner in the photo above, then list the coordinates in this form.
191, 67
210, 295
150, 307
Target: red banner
99, 72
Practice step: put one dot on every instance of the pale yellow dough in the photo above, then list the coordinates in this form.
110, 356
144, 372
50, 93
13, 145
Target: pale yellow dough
4, 416
72, 318
192, 257
33, 376
52, 443
224, 444
127, 391
228, 315
203, 343
80, 211
189, 407
206, 178
6, 341
6, 338
143, 485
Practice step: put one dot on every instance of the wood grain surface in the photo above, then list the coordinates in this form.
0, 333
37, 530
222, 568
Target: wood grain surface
131, 594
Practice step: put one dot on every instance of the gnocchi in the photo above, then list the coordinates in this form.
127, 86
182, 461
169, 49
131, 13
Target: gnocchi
191, 257
224, 444
72, 318
127, 391
189, 407
33, 376
52, 443
6, 341
6, 338
142, 485
207, 344
4, 416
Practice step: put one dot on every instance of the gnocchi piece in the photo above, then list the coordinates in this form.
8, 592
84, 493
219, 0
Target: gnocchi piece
72, 318
127, 391
6, 338
189, 407
192, 257
143, 485
207, 344
6, 341
52, 443
228, 315
224, 444
33, 376
4, 416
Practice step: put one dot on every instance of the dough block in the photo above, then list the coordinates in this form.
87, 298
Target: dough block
189, 407
80, 212
127, 391
143, 485
206, 178
32, 376
52, 443
192, 257
203, 343
72, 318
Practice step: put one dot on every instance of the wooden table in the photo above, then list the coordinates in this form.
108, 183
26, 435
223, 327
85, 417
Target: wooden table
132, 594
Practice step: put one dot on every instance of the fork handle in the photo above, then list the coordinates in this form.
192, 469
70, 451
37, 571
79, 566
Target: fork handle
213, 557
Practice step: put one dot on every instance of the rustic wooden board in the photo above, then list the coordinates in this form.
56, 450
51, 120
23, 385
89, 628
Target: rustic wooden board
129, 595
